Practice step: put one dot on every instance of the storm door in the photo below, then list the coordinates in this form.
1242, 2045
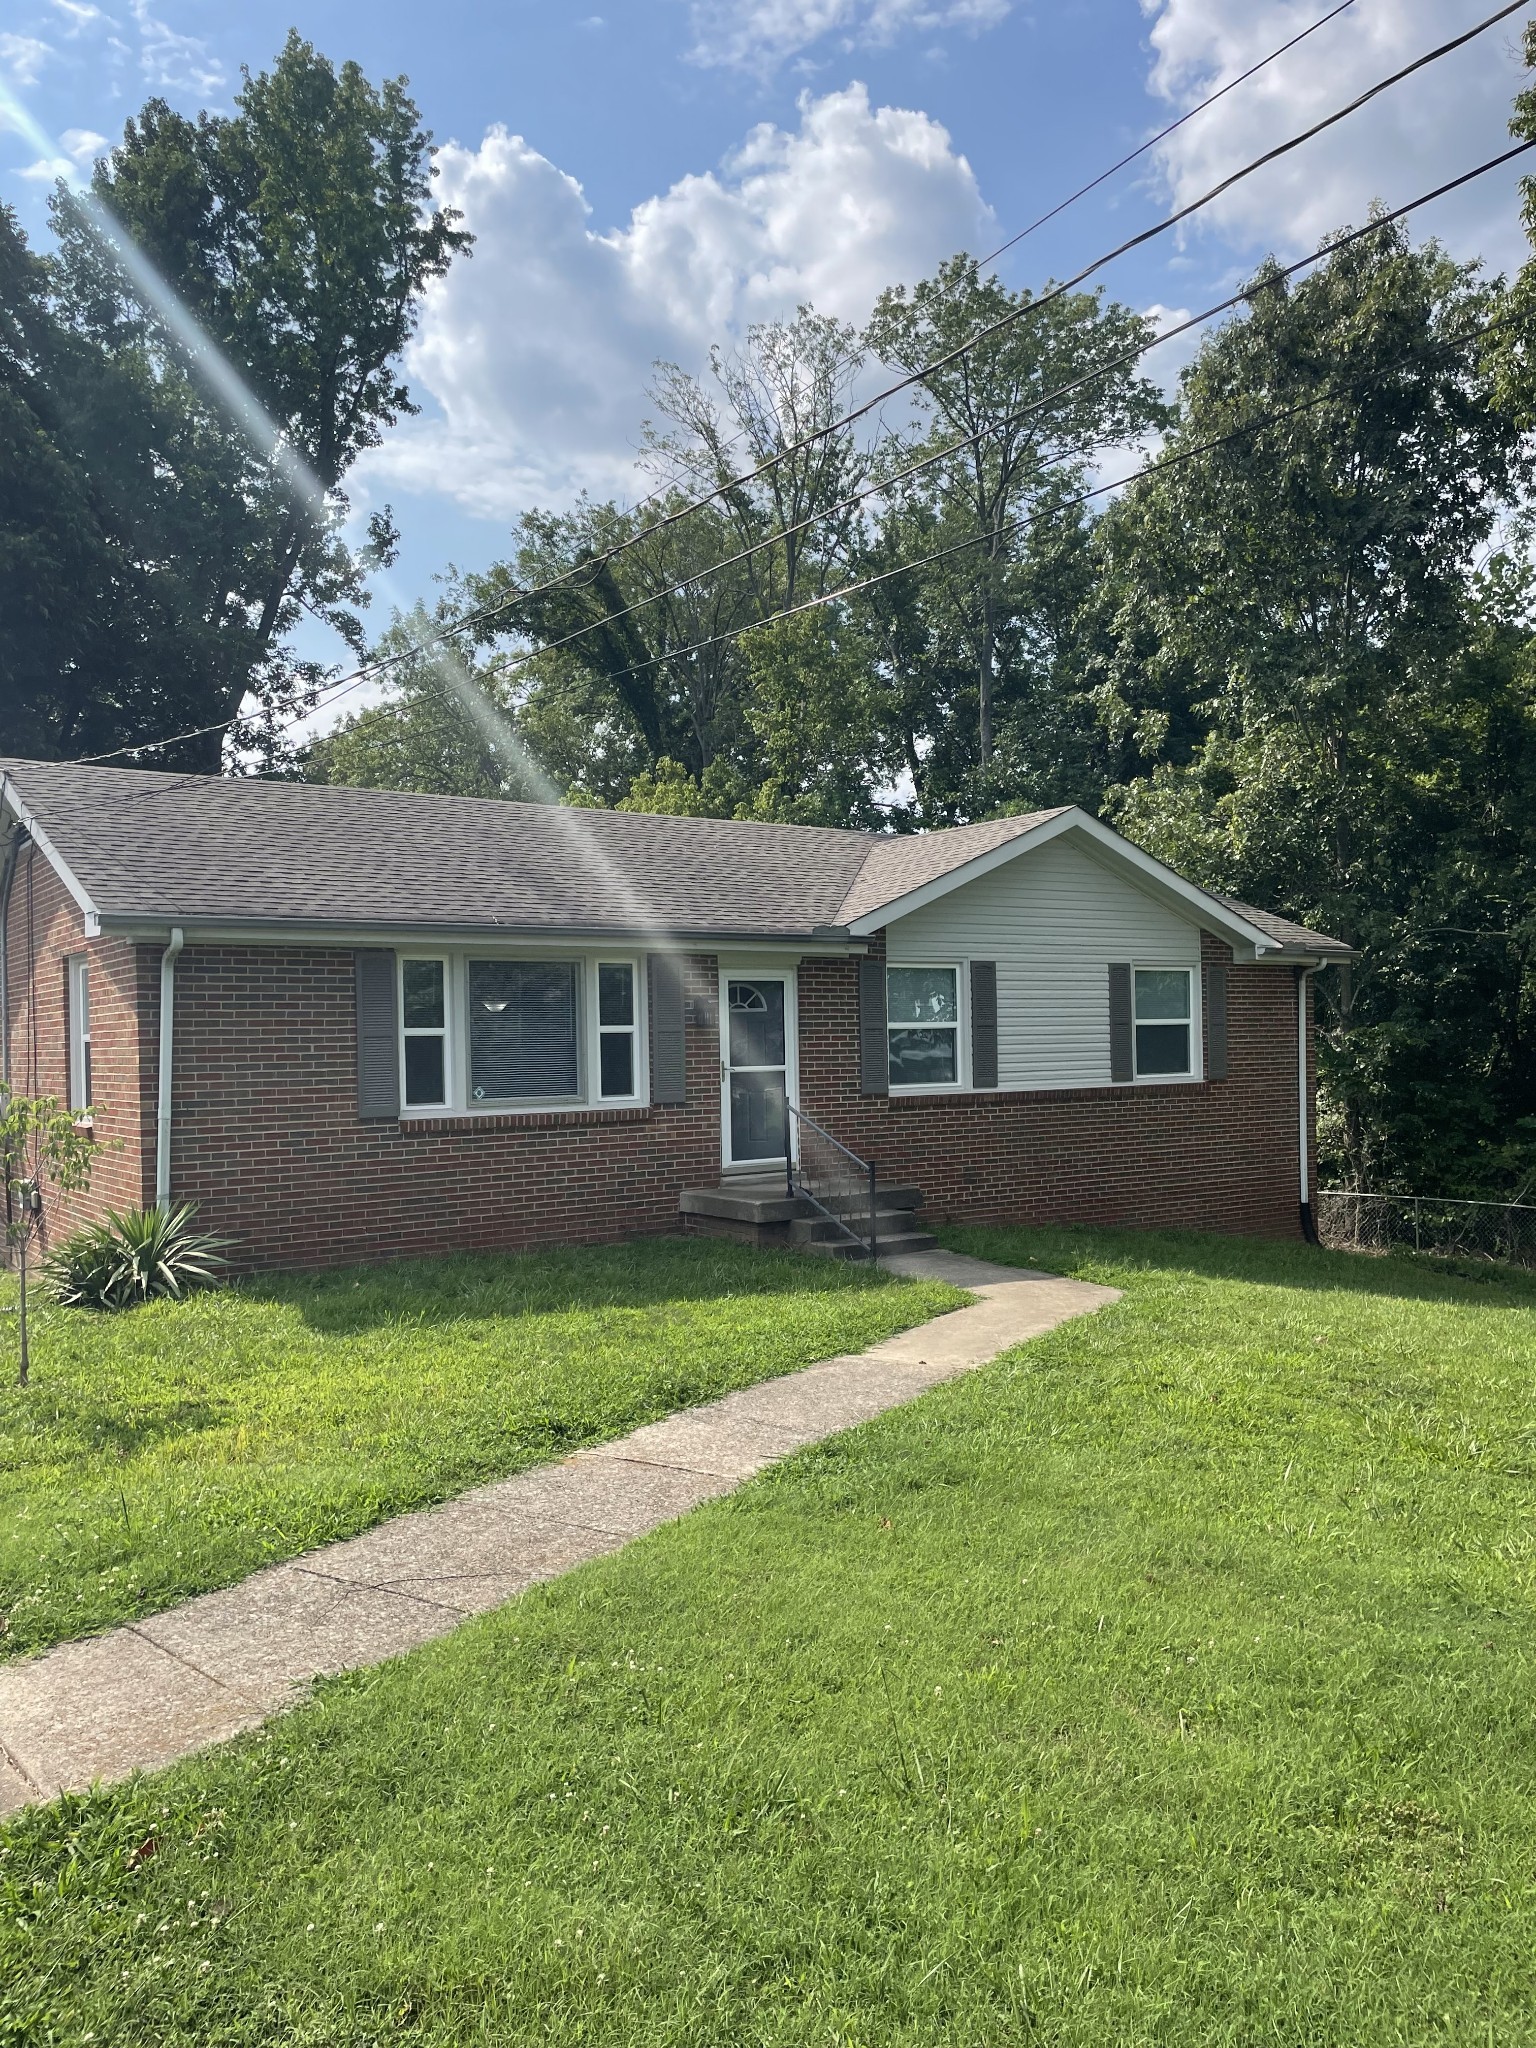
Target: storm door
757, 1058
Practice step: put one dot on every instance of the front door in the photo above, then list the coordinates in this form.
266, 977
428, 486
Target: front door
757, 1059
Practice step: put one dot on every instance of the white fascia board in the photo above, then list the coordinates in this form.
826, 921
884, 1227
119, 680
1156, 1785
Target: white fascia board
1204, 909
10, 797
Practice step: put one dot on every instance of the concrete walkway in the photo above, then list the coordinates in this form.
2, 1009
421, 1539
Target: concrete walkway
143, 1695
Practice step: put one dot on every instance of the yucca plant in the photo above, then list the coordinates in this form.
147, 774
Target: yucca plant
137, 1256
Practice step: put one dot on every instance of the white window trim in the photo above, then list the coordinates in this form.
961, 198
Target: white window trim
1196, 1025
444, 1031
457, 1085
961, 1085
79, 985
597, 1030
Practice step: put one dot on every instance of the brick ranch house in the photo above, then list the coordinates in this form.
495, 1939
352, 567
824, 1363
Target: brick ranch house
356, 1024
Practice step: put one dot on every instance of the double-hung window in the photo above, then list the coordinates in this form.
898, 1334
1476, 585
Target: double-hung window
922, 1013
616, 1061
1164, 1017
79, 1034
424, 1017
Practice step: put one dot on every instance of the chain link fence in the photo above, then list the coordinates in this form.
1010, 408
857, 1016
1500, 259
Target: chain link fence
1351, 1222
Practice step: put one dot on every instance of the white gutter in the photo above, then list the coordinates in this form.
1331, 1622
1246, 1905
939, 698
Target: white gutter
167, 1032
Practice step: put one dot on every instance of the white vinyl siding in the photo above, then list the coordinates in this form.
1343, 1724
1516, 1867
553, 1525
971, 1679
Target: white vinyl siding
1053, 920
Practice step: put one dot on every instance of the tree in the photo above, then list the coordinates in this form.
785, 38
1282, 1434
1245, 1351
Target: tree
39, 1143
1314, 698
1014, 447
299, 235
424, 735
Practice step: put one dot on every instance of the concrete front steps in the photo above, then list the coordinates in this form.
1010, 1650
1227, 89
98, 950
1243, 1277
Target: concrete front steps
758, 1209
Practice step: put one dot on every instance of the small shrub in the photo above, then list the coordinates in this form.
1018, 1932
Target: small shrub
137, 1256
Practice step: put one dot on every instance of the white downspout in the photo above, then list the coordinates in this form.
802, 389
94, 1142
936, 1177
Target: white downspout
167, 1035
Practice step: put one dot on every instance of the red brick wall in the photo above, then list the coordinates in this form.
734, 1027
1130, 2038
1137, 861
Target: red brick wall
268, 1142
1219, 1155
44, 927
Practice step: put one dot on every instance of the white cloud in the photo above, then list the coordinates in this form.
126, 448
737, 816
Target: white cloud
82, 146
1419, 134
24, 57
172, 61
79, 15
538, 349
757, 35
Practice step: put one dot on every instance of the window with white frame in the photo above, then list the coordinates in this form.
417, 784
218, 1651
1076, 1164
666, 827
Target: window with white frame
79, 1034
424, 1022
1164, 1016
922, 1014
487, 1032
616, 1027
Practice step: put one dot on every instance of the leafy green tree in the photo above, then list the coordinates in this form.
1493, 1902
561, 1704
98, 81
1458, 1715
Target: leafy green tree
298, 232
1007, 450
1315, 699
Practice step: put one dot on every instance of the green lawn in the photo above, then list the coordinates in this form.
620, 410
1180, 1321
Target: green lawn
1172, 1680
181, 1445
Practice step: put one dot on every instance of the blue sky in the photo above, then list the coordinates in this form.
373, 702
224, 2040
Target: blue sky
647, 176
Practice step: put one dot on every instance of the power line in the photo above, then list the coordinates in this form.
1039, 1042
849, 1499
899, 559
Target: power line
1163, 133
881, 485
1093, 184
1176, 460
372, 669
1016, 314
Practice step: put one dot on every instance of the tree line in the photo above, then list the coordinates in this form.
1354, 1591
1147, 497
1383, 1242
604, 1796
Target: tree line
1295, 657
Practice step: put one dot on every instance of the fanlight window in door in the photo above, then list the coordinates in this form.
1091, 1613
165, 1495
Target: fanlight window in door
756, 1014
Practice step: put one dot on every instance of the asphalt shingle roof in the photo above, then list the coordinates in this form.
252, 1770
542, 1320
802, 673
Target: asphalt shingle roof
202, 849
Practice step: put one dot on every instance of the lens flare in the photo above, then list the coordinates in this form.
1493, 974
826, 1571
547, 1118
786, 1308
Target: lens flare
249, 416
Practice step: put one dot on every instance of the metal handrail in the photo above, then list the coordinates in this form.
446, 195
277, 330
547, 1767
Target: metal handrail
862, 1175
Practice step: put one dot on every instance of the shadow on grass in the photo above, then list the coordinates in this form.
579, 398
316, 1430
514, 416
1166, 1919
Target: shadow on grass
1261, 1261
474, 1286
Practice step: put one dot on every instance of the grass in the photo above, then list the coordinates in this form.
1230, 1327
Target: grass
1168, 1682
175, 1447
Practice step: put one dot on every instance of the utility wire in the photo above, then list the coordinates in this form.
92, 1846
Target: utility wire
1093, 184
878, 487
587, 568
1006, 320
1176, 460
1163, 133
881, 486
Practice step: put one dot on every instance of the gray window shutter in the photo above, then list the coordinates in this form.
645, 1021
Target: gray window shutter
983, 1023
378, 1036
1122, 1053
874, 1051
669, 1044
1215, 1023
